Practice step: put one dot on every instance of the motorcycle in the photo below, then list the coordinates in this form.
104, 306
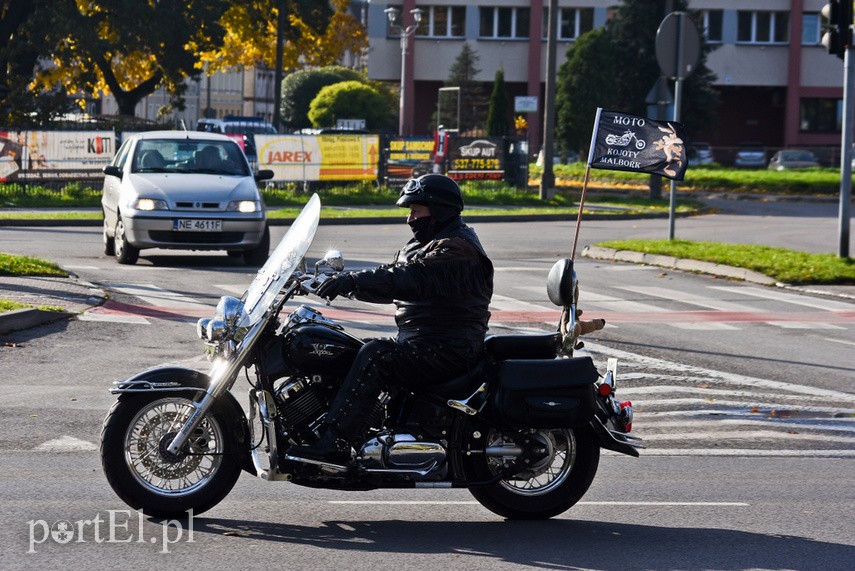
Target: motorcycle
522, 430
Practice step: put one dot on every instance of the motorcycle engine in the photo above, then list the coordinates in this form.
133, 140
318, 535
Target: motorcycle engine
302, 403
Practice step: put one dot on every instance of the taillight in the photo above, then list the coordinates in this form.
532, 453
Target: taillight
626, 414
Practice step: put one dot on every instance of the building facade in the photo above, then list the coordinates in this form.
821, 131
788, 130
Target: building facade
778, 84
246, 92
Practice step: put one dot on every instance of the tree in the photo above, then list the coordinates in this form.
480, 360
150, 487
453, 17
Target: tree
22, 42
497, 116
472, 107
350, 99
616, 67
584, 83
316, 34
302, 86
129, 49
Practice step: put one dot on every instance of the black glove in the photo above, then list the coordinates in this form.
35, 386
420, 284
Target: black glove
334, 287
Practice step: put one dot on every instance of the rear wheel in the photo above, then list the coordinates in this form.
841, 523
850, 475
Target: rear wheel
138, 467
548, 486
125, 252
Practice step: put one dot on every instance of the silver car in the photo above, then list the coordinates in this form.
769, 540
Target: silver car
183, 190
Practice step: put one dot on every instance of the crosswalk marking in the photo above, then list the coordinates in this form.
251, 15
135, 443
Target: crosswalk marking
680, 409
768, 293
159, 297
716, 315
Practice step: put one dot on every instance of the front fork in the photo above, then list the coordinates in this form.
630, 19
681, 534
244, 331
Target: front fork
223, 375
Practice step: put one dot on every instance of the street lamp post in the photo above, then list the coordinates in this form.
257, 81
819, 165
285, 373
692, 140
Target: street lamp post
406, 33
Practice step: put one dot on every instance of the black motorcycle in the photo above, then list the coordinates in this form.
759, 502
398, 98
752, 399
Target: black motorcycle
522, 431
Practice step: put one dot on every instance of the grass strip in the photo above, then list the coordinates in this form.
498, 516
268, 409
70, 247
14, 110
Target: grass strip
782, 264
26, 266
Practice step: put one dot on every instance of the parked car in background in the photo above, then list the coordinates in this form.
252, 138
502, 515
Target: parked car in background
183, 190
751, 155
245, 127
700, 154
793, 159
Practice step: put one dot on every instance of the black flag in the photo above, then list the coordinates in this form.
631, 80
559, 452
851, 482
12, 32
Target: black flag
626, 142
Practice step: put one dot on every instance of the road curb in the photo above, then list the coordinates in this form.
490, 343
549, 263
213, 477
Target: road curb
21, 319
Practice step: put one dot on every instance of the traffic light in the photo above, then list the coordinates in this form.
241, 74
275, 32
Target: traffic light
838, 35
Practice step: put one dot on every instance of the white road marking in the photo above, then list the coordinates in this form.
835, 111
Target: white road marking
159, 297
819, 303
582, 503
66, 444
113, 318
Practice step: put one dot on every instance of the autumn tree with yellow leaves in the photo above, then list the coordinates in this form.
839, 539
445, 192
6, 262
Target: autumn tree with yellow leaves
130, 48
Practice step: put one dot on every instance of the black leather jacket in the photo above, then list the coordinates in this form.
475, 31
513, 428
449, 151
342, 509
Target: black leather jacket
440, 288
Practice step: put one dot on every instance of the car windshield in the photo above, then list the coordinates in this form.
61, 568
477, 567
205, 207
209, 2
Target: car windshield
189, 156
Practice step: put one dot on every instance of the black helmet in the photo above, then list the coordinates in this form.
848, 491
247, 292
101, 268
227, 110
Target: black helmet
436, 191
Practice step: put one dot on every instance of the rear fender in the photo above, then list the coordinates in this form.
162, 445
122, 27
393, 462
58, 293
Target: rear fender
171, 379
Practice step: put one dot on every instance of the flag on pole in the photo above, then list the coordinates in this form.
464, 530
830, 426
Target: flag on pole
625, 142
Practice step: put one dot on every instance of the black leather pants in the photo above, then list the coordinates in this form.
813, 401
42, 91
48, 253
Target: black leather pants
414, 363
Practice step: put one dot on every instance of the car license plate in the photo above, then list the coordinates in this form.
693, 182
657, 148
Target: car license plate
184, 225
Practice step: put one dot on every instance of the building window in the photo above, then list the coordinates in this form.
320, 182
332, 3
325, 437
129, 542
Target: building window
442, 22
572, 22
711, 22
763, 27
821, 115
504, 23
811, 29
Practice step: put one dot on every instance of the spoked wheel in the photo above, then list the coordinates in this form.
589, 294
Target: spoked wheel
555, 479
141, 471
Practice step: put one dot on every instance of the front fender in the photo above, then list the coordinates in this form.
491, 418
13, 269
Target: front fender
171, 379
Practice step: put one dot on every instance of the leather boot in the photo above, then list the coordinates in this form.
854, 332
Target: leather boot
330, 448
348, 416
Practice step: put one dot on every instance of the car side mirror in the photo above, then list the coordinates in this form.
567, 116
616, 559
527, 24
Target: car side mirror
263, 175
112, 170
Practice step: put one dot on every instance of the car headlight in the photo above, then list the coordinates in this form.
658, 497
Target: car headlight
149, 204
245, 206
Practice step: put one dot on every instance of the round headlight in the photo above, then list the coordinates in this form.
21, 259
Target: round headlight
229, 309
217, 329
202, 327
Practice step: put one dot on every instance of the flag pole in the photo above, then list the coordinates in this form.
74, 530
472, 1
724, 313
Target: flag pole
585, 182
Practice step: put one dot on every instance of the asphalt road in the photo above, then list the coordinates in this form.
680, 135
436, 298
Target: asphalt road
745, 400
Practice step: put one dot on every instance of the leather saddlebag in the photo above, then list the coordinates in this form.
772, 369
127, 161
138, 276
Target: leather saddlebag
546, 393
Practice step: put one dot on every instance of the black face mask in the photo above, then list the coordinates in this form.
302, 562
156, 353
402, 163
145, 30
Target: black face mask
424, 228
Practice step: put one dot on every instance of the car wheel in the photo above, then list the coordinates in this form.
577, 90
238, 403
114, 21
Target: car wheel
109, 242
125, 252
258, 255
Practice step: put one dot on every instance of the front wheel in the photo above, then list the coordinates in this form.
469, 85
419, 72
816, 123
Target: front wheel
124, 251
547, 487
134, 438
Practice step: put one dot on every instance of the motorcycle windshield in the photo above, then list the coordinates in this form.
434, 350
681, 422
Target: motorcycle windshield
281, 263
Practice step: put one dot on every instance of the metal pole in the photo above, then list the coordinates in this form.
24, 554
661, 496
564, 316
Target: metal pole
547, 180
678, 99
846, 154
277, 73
403, 82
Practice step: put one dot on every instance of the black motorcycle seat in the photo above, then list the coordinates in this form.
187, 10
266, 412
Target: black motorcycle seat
459, 387
542, 346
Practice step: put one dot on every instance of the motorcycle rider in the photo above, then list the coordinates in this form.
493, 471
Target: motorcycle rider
441, 282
